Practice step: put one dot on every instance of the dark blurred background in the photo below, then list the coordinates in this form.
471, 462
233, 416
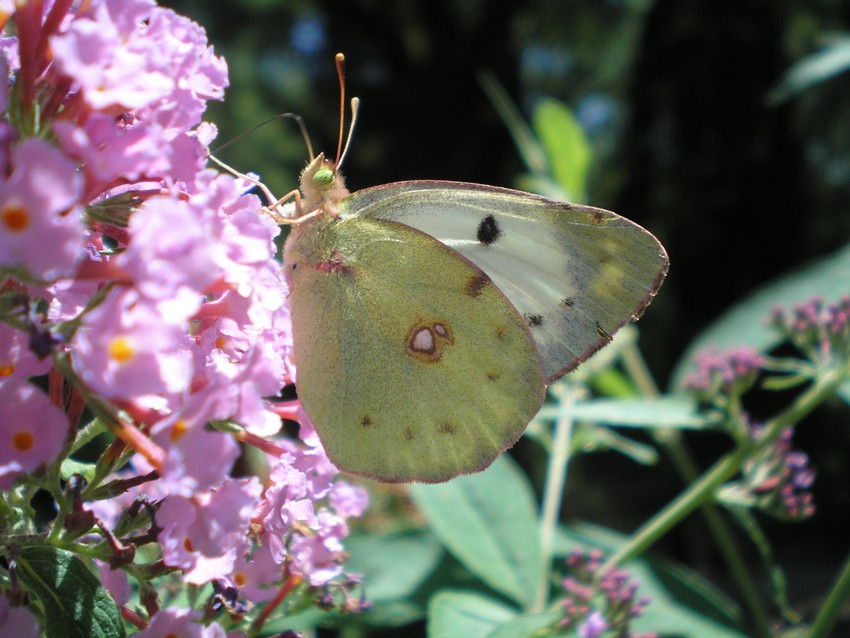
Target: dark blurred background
674, 98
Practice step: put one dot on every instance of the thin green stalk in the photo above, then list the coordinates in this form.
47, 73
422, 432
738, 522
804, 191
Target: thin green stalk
703, 490
671, 440
556, 477
831, 608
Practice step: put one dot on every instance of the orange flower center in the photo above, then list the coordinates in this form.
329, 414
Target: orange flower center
120, 350
15, 218
22, 441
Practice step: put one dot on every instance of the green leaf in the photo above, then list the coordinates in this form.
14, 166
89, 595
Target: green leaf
393, 566
666, 412
527, 626
70, 466
528, 146
744, 323
458, 614
72, 598
844, 391
813, 69
565, 144
489, 522
597, 438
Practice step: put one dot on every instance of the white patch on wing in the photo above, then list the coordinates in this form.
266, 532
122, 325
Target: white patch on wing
544, 252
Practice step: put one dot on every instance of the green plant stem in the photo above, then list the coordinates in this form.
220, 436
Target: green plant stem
838, 595
703, 489
671, 440
556, 477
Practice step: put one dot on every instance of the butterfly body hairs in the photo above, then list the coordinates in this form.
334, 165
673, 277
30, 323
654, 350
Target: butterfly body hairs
429, 316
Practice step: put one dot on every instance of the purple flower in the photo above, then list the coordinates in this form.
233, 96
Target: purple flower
127, 349
157, 278
17, 361
33, 217
593, 627
597, 603
296, 525
730, 372
777, 479
256, 575
185, 623
17, 621
195, 459
203, 535
32, 430
116, 583
820, 331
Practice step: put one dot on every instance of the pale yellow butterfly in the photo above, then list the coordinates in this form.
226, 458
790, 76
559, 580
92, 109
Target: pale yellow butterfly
429, 316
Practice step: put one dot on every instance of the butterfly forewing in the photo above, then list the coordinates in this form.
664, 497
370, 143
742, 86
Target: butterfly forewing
411, 363
576, 274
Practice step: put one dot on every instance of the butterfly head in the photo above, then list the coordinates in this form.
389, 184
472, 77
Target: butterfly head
322, 186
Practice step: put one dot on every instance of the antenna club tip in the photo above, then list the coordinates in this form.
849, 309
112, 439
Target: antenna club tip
340, 58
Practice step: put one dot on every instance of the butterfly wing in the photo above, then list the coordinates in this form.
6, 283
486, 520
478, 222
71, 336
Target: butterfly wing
412, 365
575, 273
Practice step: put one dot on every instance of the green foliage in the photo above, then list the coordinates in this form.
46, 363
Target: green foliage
744, 323
487, 521
72, 600
832, 60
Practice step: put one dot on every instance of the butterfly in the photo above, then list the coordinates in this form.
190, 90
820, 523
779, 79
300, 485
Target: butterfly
429, 316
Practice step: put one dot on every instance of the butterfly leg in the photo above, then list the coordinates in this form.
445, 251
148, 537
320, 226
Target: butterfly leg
274, 209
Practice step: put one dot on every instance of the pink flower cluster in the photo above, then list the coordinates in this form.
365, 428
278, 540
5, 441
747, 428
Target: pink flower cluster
778, 478
597, 604
147, 283
730, 372
818, 329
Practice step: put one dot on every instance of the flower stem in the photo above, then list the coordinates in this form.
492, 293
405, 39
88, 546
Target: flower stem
703, 489
556, 476
671, 440
832, 606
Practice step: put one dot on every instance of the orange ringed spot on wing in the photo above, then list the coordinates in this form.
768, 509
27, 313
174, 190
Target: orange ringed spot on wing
427, 340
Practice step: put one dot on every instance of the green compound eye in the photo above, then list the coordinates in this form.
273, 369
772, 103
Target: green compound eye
323, 177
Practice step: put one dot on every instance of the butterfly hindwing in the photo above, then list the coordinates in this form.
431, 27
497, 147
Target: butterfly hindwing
575, 273
412, 364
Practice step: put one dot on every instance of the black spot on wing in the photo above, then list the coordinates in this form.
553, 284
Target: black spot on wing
533, 320
488, 230
568, 302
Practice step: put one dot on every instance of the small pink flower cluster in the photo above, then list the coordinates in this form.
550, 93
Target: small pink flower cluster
598, 604
145, 286
730, 372
819, 330
779, 478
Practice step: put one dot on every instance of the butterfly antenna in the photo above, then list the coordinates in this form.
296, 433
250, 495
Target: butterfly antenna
355, 107
293, 116
340, 72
